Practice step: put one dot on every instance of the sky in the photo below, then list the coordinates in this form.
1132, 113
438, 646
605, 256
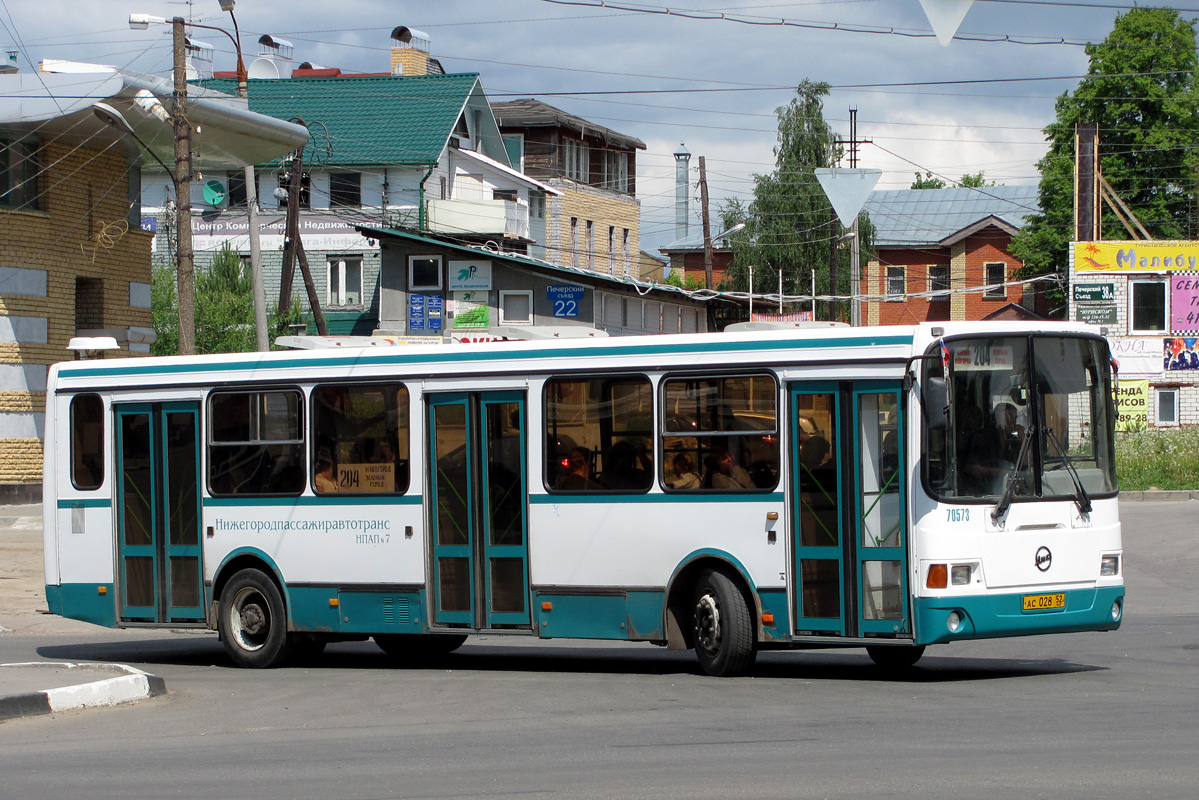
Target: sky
978, 104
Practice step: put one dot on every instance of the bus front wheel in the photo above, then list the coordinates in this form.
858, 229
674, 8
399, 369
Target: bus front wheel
724, 630
253, 621
895, 657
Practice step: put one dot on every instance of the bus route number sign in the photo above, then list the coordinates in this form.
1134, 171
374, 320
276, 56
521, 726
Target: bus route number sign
565, 299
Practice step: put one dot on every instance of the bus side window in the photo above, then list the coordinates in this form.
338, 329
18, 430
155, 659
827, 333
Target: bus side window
720, 433
87, 441
599, 434
360, 438
256, 443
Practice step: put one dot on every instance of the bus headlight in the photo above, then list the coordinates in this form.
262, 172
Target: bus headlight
1117, 609
953, 621
959, 574
1109, 565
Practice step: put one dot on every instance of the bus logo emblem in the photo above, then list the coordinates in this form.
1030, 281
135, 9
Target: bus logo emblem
1044, 559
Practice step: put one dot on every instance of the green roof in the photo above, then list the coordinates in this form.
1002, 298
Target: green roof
369, 119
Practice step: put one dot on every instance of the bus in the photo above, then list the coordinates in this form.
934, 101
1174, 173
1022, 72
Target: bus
885, 488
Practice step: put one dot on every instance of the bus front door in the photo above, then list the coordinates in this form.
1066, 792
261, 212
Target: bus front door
479, 575
849, 569
158, 512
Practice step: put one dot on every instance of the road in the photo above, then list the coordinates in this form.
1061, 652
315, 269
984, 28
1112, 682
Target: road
1076, 716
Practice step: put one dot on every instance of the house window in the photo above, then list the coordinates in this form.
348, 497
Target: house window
996, 274
445, 188
236, 181
628, 263
938, 278
575, 160
424, 272
305, 189
537, 205
574, 241
345, 189
591, 245
516, 308
19, 171
895, 282
1148, 300
510, 195
514, 145
1167, 406
611, 250
345, 281
616, 171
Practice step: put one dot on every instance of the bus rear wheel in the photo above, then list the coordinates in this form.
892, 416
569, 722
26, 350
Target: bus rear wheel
416, 647
724, 630
253, 620
895, 658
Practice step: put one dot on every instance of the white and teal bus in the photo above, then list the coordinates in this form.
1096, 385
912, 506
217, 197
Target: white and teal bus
887, 488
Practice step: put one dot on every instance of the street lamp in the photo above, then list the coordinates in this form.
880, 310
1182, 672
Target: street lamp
142, 22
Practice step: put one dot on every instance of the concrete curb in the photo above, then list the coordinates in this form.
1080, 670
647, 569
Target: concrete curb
130, 687
1161, 494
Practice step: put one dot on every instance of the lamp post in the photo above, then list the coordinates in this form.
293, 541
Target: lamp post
186, 269
262, 339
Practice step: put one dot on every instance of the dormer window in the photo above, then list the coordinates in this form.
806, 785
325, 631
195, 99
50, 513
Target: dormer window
576, 160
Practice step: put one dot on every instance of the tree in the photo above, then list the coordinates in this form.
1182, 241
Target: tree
1141, 90
929, 181
790, 224
224, 308
975, 180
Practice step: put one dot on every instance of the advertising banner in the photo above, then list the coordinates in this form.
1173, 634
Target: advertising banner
1132, 405
1184, 303
1131, 257
1181, 353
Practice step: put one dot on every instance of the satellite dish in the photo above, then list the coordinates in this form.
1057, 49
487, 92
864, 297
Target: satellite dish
214, 193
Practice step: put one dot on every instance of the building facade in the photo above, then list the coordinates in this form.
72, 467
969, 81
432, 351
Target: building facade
1146, 295
594, 220
943, 254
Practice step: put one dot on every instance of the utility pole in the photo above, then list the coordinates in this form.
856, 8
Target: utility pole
855, 251
185, 283
293, 248
703, 200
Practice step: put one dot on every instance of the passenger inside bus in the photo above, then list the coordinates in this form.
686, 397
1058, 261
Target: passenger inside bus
578, 473
684, 476
724, 472
994, 449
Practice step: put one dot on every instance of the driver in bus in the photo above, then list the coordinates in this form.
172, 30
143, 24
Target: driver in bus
993, 449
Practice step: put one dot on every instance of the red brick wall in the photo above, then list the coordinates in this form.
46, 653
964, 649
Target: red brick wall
989, 245
915, 264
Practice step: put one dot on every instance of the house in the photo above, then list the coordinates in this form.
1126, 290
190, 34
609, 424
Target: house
593, 222
942, 254
74, 258
687, 256
1146, 296
431, 285
413, 147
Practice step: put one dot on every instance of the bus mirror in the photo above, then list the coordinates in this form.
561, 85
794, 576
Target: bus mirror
936, 404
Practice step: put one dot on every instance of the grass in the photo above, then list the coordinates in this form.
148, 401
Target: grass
1158, 458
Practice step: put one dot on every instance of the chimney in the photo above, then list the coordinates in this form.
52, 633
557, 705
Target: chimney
274, 58
682, 190
409, 51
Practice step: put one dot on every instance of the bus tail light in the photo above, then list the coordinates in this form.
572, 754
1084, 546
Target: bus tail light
1109, 565
938, 577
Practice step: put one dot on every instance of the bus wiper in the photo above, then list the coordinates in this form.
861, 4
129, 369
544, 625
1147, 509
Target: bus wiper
1080, 493
1009, 491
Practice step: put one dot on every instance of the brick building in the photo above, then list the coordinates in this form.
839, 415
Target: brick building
942, 254
74, 260
595, 221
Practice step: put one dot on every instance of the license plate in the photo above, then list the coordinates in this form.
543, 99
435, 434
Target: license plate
1044, 602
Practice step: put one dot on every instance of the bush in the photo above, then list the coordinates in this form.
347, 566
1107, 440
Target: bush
1158, 458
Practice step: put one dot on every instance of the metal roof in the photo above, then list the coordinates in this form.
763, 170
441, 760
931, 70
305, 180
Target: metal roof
910, 217
529, 113
369, 119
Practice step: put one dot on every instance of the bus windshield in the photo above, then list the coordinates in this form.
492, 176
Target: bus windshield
1029, 417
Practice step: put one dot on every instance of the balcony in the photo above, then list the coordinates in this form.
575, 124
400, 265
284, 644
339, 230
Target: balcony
505, 218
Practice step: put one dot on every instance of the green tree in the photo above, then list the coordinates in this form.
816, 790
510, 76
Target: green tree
224, 308
790, 224
928, 181
1141, 90
976, 180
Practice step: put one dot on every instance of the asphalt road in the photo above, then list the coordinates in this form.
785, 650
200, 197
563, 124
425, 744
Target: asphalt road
1076, 716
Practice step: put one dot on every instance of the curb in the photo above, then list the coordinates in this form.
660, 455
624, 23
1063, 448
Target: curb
1161, 494
134, 685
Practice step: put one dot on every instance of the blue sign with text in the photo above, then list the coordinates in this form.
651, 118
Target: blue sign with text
565, 299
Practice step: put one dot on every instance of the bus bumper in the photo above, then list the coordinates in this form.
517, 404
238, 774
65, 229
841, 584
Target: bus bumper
995, 616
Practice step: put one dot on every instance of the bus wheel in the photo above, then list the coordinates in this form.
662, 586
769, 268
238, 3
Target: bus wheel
724, 631
897, 657
415, 647
253, 622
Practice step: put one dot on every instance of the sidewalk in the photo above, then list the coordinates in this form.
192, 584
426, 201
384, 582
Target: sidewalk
33, 688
